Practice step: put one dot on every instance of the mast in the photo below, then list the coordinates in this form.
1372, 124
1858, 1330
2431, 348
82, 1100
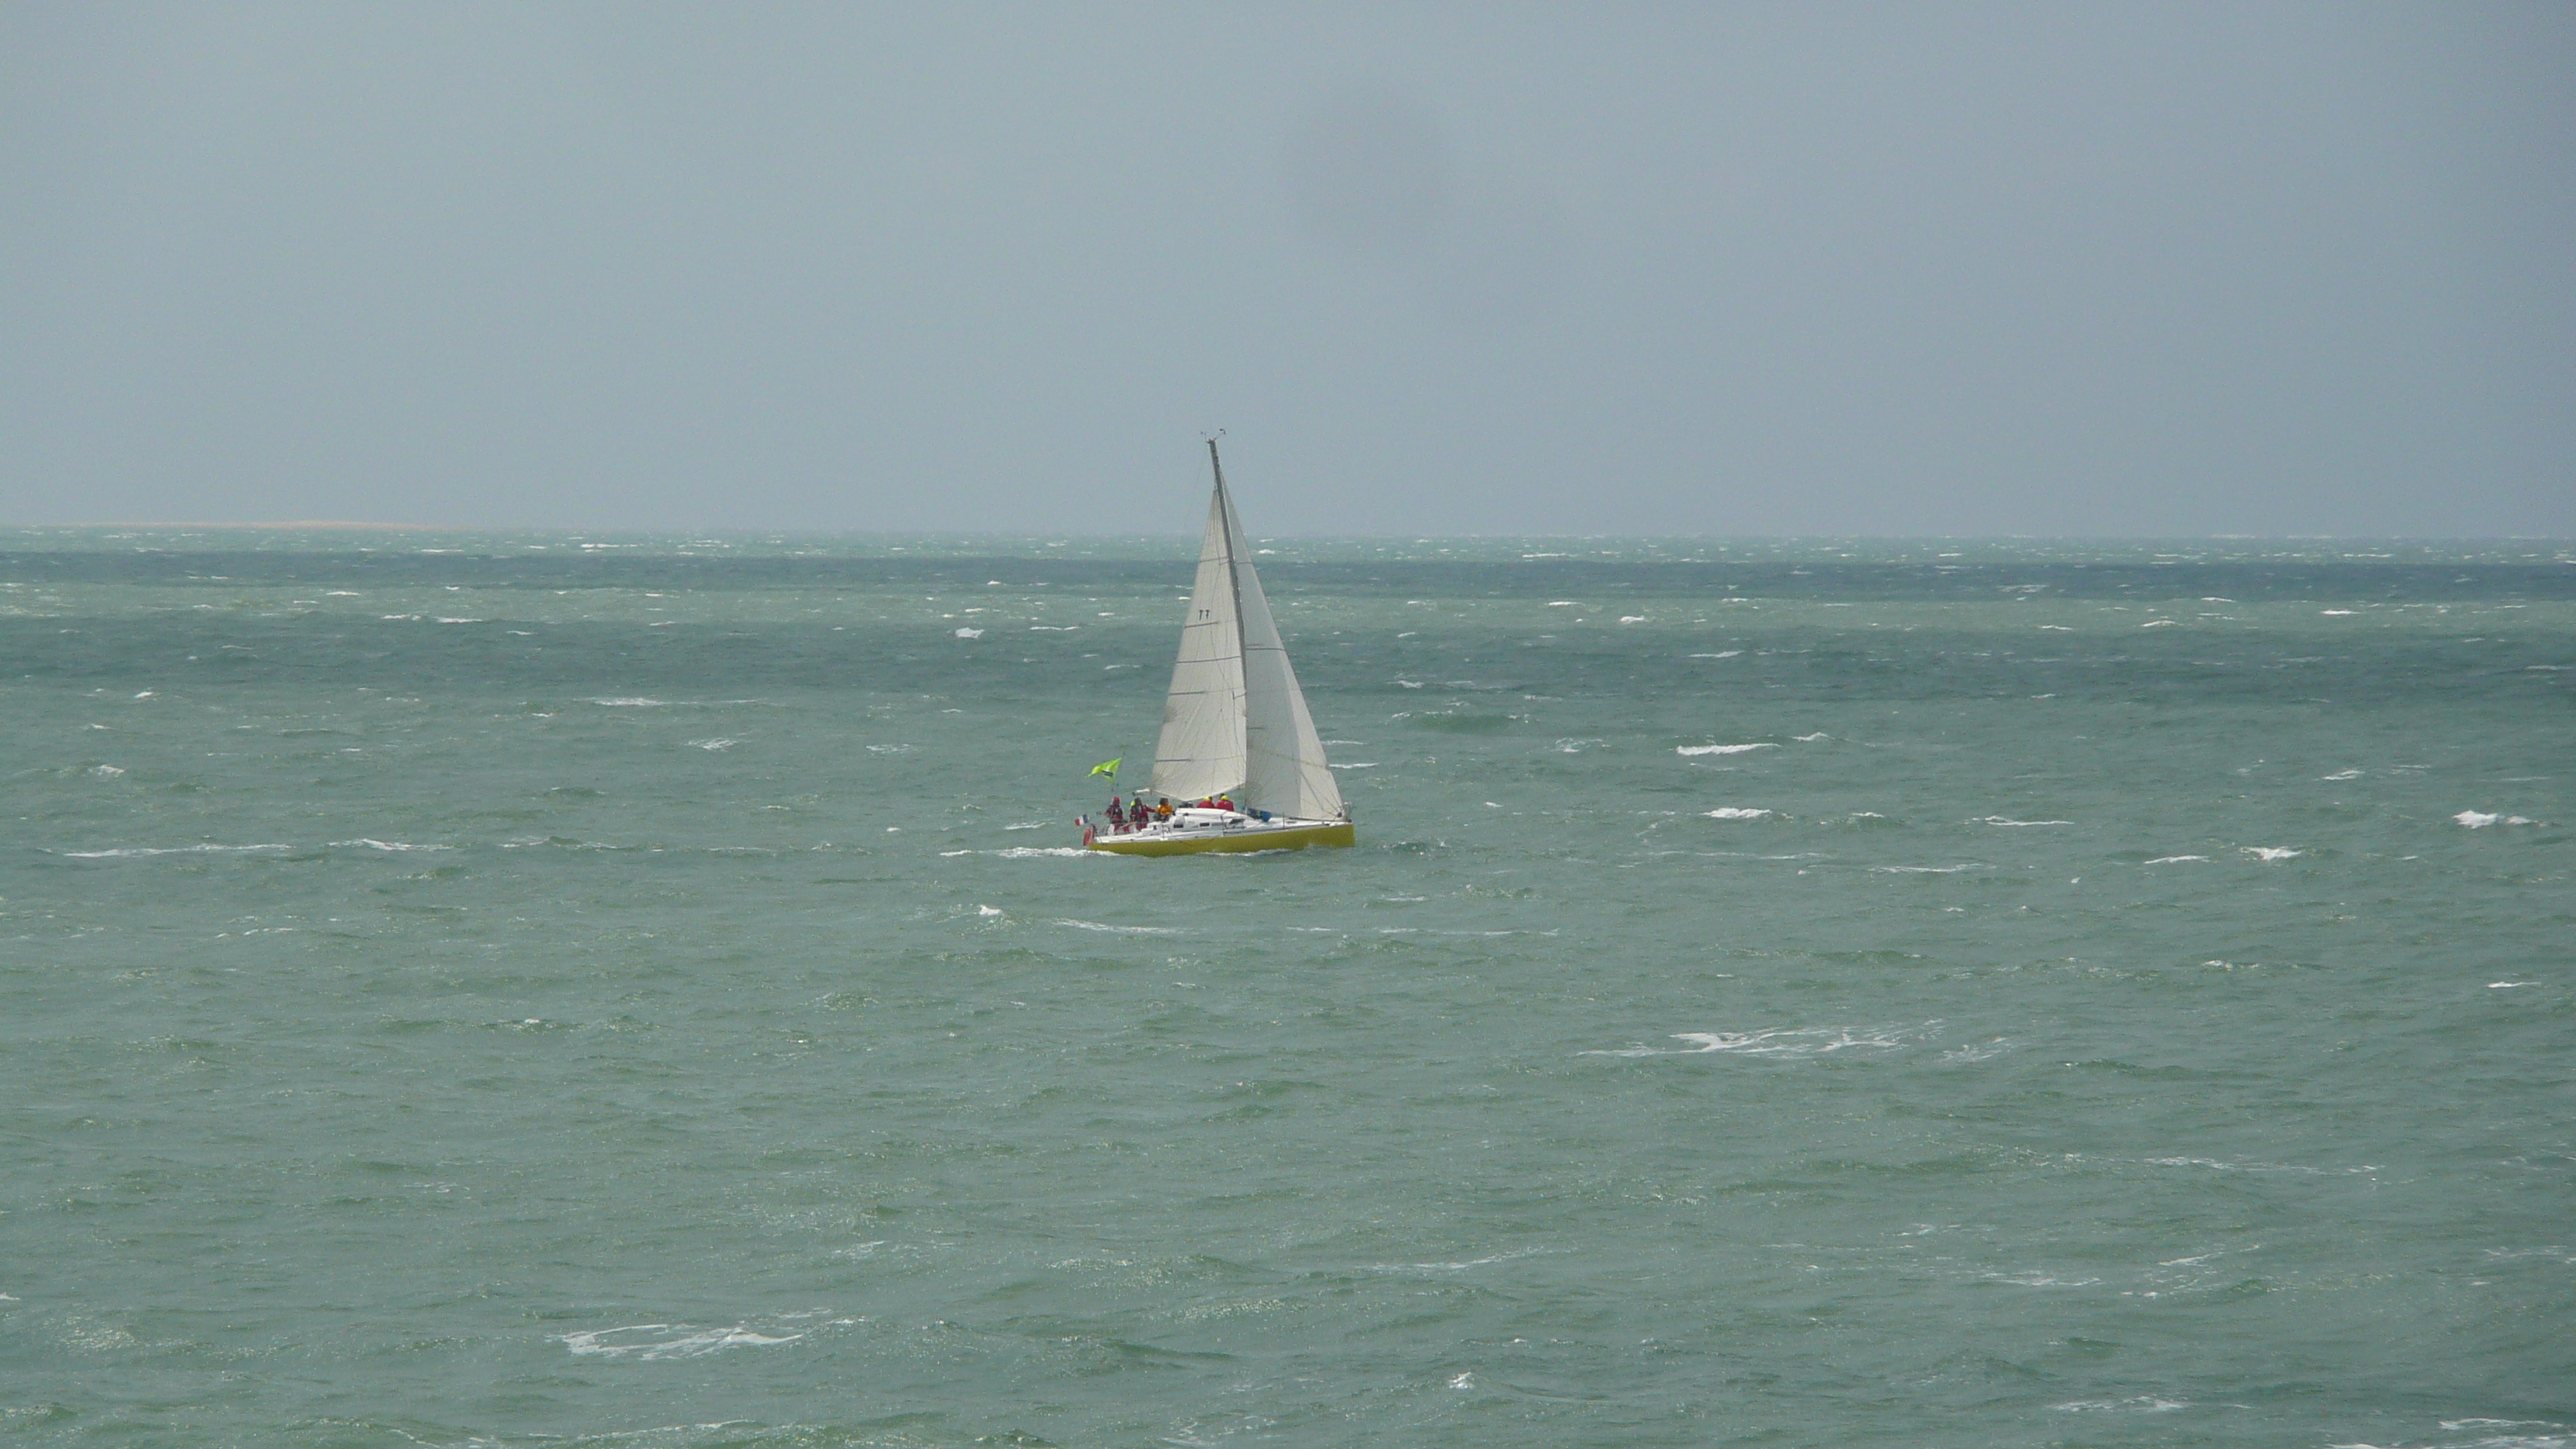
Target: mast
1233, 565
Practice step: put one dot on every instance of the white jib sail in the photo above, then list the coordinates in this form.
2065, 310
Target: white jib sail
1235, 719
1285, 772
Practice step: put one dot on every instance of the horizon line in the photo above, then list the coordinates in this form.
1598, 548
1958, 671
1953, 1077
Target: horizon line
320, 525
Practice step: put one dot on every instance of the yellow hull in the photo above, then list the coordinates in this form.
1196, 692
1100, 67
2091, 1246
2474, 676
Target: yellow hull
1299, 837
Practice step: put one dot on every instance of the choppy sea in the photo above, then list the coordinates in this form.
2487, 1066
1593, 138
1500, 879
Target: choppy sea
517, 989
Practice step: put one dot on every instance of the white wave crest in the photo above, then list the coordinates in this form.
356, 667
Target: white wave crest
389, 845
629, 702
970, 633
2175, 859
1999, 820
1804, 1041
136, 852
1720, 749
2273, 852
1736, 812
650, 1341
1118, 930
2480, 820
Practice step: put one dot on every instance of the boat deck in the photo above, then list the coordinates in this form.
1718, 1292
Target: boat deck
1184, 835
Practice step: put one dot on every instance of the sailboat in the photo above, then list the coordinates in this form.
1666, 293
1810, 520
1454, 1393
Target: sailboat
1236, 733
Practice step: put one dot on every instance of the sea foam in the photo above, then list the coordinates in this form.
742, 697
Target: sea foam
649, 1341
1805, 1041
136, 852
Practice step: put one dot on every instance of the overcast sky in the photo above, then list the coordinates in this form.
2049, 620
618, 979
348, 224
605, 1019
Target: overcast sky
2047, 269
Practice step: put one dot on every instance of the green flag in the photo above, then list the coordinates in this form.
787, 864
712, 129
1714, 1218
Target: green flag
1109, 768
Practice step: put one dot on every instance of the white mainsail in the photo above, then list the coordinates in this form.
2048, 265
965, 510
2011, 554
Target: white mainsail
1235, 721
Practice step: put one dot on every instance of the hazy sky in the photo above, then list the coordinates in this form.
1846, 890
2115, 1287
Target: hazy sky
2046, 269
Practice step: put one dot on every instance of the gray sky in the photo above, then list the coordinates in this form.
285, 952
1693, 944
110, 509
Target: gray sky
2054, 269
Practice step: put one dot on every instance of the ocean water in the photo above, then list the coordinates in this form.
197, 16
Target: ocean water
494, 989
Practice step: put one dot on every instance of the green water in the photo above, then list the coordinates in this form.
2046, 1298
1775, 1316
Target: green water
464, 990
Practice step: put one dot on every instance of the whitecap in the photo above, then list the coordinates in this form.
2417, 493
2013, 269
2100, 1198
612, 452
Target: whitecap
2336, 613
2342, 775
1118, 930
1053, 628
2158, 624
1028, 825
1410, 683
387, 845
988, 910
2273, 852
2143, 1404
1813, 738
134, 852
2000, 820
667, 1340
1632, 618
461, 621
970, 633
719, 743
2175, 859
104, 772
630, 702
1720, 749
1804, 1041
1926, 869
1736, 812
2475, 820
1721, 654
2508, 985
2040, 1280
1357, 765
